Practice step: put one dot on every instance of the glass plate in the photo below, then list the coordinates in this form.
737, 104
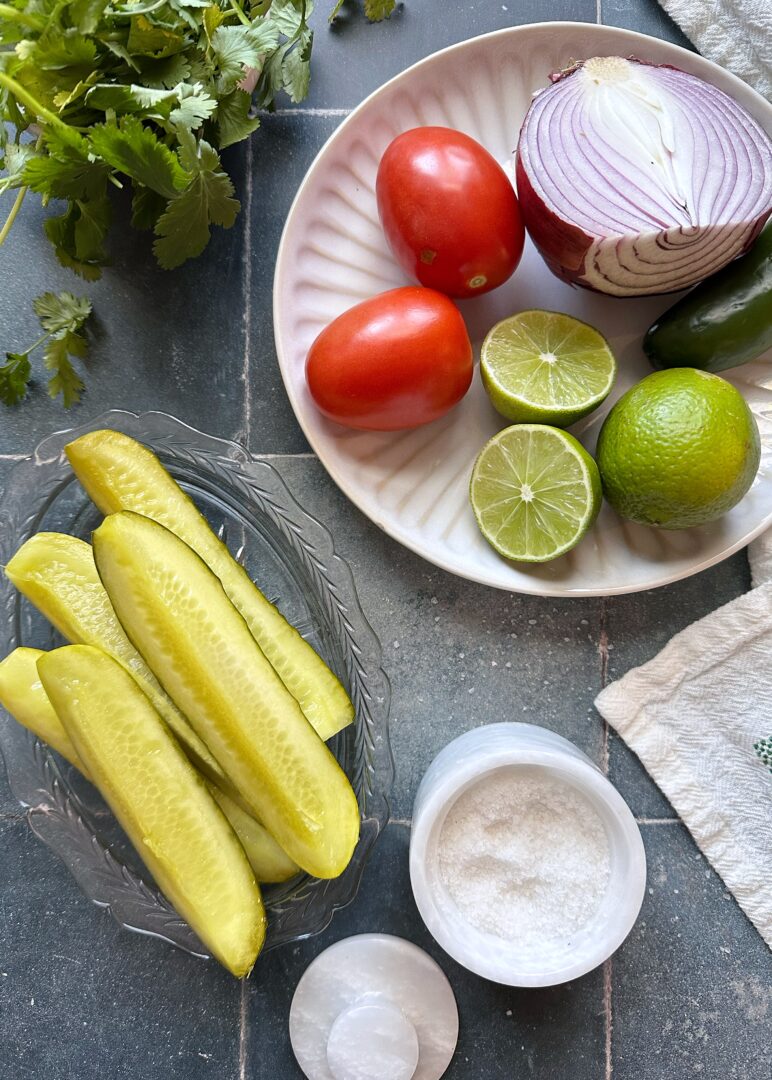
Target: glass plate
291, 556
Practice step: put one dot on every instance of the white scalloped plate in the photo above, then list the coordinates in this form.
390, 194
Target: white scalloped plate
333, 254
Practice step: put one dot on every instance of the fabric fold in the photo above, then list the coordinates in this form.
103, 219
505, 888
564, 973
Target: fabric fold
737, 34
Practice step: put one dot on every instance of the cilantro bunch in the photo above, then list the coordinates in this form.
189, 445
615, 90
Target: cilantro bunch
97, 94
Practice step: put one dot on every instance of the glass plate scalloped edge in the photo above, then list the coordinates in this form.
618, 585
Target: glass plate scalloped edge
47, 787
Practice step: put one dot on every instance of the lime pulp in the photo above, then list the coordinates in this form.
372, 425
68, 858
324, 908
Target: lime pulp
535, 492
546, 367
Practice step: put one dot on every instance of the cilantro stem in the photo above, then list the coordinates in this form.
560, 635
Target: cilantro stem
35, 344
35, 22
111, 13
12, 216
241, 16
34, 106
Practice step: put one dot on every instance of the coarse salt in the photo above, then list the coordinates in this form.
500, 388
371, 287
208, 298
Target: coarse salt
524, 856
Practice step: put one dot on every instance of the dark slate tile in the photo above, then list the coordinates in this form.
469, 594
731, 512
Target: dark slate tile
504, 1032
8, 804
692, 986
645, 16
281, 151
458, 654
370, 53
80, 997
638, 626
160, 340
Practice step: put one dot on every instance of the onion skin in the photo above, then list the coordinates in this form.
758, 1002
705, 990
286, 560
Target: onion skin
551, 233
615, 222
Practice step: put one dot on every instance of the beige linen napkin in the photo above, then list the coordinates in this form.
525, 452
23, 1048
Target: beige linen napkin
692, 715
734, 33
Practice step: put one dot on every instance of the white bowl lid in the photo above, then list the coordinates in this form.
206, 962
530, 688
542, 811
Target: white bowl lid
373, 1007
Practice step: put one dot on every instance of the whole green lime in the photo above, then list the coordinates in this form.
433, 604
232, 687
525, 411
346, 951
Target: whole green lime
678, 449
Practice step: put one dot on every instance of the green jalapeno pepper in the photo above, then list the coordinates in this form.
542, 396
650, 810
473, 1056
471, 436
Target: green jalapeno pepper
723, 322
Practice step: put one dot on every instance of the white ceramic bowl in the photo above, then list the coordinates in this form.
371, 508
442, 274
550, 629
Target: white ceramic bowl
461, 764
415, 484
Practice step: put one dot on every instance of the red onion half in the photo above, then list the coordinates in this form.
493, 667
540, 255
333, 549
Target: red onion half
635, 178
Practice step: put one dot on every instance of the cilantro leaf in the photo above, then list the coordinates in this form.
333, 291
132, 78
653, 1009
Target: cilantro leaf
63, 233
62, 49
61, 311
183, 230
134, 149
377, 10
15, 162
66, 97
264, 34
129, 98
64, 380
194, 105
271, 78
146, 207
233, 120
296, 67
146, 38
186, 105
213, 17
66, 172
85, 14
14, 378
289, 16
166, 73
91, 228
234, 51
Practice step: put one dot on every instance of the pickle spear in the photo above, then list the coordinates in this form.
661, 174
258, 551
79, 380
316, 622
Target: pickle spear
200, 649
266, 858
56, 573
121, 474
22, 694
159, 799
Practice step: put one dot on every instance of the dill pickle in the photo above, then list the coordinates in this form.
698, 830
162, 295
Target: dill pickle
121, 474
200, 649
56, 573
23, 696
160, 800
266, 858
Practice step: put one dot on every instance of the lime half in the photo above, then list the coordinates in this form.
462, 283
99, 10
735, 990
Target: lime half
545, 367
535, 492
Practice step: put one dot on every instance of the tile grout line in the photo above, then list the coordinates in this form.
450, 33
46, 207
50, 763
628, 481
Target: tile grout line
243, 1031
265, 114
246, 263
608, 972
608, 965
603, 653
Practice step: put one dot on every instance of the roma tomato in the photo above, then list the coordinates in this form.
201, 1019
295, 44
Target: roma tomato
449, 211
395, 361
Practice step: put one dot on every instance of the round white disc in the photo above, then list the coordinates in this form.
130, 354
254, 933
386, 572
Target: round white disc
361, 1007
